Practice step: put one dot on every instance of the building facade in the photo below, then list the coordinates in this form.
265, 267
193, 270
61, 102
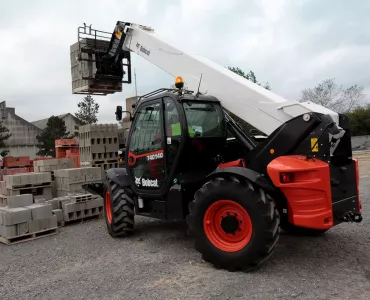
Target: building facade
23, 133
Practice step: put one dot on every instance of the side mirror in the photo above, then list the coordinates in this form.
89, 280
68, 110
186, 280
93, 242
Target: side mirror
119, 113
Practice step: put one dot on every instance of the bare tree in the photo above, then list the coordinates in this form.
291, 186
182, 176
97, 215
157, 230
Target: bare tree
327, 93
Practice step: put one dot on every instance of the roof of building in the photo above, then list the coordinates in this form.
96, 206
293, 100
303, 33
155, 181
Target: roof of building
42, 123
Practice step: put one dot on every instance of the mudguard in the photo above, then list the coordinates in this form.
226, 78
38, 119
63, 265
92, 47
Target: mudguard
244, 173
118, 176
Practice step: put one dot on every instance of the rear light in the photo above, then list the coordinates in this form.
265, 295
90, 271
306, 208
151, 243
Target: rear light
286, 177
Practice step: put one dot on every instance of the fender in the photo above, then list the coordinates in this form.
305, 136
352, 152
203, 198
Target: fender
118, 176
244, 173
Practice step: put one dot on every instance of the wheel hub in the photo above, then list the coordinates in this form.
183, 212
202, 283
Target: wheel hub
230, 224
227, 225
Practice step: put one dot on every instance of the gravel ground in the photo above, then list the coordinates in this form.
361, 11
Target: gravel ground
159, 262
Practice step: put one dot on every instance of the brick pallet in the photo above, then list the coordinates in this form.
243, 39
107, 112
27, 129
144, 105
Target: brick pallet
70, 181
64, 145
99, 146
38, 184
22, 220
77, 208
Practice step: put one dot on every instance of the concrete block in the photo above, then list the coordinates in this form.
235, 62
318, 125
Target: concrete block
63, 200
12, 180
69, 216
112, 147
97, 211
72, 207
26, 178
94, 203
54, 189
22, 228
46, 176
71, 175
11, 231
2, 188
47, 193
32, 179
33, 226
8, 231
20, 200
87, 213
3, 201
12, 216
93, 174
43, 224
59, 214
39, 200
40, 211
54, 203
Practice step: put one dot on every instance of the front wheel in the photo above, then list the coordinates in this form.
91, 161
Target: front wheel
235, 224
118, 210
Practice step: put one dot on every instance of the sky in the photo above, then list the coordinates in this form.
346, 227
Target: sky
292, 44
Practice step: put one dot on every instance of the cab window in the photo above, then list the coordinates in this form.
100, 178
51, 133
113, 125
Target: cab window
204, 119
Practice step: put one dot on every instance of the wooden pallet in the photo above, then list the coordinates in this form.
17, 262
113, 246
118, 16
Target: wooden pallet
30, 186
72, 222
28, 237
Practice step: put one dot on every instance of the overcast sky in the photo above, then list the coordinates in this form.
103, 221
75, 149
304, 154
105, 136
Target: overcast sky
291, 44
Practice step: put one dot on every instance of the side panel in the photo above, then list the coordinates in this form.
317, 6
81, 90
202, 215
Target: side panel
308, 193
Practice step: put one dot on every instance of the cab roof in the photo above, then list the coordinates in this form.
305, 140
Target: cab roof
188, 96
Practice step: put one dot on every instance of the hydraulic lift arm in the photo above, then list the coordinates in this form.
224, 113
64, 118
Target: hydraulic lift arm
259, 107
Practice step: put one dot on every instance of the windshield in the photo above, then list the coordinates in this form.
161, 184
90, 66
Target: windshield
205, 119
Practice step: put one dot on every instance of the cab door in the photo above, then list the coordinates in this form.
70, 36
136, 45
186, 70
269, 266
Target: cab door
146, 155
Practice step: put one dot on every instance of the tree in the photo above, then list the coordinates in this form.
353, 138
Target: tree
360, 120
55, 129
88, 110
328, 94
251, 77
4, 135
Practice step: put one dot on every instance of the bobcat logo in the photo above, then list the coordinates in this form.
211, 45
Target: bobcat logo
138, 181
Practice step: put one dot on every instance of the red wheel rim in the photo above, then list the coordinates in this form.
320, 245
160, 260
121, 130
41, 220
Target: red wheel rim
230, 238
108, 207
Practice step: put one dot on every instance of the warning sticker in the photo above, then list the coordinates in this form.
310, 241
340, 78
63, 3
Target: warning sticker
314, 145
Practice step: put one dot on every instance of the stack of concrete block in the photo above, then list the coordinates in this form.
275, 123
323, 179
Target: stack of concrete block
38, 184
50, 165
84, 55
76, 207
21, 217
99, 146
70, 181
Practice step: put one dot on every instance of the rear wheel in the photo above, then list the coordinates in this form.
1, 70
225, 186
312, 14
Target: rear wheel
118, 211
235, 224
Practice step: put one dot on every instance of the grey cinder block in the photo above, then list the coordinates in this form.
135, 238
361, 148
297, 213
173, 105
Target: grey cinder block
20, 200
54, 203
12, 216
14, 230
59, 214
40, 211
94, 203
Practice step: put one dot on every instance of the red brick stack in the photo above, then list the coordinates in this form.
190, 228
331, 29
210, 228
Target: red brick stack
68, 148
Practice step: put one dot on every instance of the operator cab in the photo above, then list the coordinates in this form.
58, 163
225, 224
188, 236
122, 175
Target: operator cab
175, 137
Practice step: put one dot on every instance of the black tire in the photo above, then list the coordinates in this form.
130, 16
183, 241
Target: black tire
301, 231
262, 213
122, 211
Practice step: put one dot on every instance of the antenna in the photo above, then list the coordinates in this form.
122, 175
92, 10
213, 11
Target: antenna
135, 84
200, 81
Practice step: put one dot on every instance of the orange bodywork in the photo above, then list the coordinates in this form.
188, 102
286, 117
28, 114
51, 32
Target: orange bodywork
308, 194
